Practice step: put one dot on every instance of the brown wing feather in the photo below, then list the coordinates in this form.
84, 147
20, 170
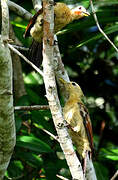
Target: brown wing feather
87, 124
31, 23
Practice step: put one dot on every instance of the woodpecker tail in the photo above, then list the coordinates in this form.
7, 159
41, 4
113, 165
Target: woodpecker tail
35, 53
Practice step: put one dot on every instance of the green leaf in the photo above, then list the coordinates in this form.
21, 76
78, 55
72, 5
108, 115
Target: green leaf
101, 171
32, 159
42, 119
113, 158
110, 153
23, 100
18, 25
33, 78
33, 96
97, 36
106, 2
33, 143
15, 169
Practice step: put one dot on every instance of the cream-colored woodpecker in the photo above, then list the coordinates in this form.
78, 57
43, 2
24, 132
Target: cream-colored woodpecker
63, 15
78, 120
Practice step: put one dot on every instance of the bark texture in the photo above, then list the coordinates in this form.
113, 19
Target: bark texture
7, 124
51, 92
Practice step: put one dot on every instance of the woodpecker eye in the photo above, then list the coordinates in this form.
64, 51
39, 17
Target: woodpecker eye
73, 83
80, 8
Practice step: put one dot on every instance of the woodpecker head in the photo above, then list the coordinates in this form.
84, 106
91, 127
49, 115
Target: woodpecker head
79, 12
73, 89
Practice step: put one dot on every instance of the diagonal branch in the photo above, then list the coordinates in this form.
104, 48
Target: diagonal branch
61, 177
115, 175
60, 72
19, 10
51, 92
23, 57
100, 29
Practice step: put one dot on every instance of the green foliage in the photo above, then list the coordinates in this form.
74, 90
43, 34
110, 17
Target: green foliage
93, 63
101, 171
18, 167
32, 143
110, 154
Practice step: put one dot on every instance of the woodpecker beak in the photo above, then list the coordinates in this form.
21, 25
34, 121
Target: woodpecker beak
80, 11
62, 80
86, 13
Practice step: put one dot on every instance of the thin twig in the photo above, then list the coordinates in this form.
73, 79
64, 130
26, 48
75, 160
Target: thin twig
20, 47
61, 177
50, 134
115, 175
23, 57
31, 108
47, 132
100, 29
19, 10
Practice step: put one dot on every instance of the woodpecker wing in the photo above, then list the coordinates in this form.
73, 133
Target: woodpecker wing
32, 22
87, 124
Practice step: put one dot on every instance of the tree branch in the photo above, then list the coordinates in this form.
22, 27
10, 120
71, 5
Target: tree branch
31, 108
60, 72
49, 133
61, 177
90, 171
51, 92
7, 124
100, 29
19, 10
5, 21
23, 57
115, 175
21, 48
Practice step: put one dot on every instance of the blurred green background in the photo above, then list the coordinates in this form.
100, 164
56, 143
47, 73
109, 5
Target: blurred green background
93, 63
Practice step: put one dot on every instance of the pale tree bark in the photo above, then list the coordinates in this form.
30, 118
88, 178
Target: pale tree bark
7, 124
61, 72
30, 108
51, 92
